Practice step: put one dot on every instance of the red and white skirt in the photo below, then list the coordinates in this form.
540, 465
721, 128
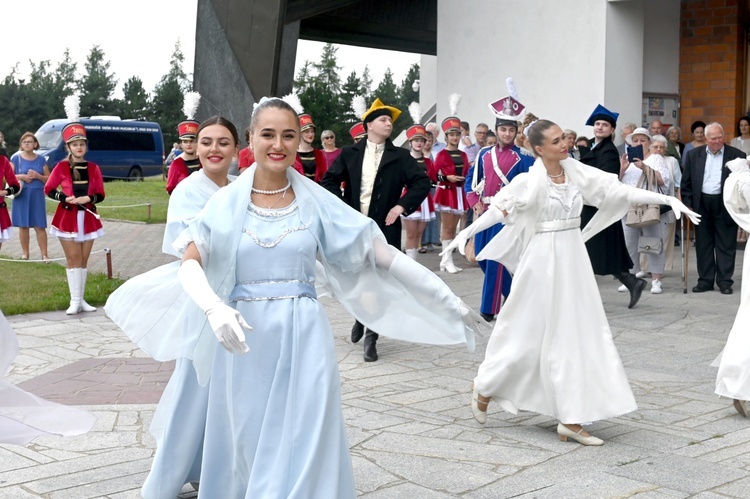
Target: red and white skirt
425, 212
6, 226
75, 224
451, 198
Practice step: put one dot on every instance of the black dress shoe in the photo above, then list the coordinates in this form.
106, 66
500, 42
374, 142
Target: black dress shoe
487, 317
702, 288
726, 291
358, 330
371, 351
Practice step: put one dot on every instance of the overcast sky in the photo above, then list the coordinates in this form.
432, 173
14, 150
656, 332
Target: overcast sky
139, 39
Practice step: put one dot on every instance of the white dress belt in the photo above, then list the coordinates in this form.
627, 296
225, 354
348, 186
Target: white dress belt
558, 225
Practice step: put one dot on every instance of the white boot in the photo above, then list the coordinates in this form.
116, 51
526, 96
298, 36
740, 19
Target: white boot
75, 297
82, 274
446, 264
412, 253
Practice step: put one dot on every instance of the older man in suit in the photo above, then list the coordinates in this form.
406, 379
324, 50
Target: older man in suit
702, 188
374, 173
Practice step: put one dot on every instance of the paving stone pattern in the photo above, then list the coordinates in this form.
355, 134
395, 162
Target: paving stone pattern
410, 427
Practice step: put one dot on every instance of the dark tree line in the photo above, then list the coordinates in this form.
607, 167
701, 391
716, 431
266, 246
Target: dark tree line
328, 100
28, 103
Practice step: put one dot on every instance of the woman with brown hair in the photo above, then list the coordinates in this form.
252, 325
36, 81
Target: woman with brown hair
29, 208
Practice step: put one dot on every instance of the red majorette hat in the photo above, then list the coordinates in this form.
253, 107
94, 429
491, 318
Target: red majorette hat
416, 132
305, 122
451, 124
188, 129
74, 131
358, 131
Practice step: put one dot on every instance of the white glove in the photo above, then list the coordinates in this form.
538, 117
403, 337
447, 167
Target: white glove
226, 322
490, 217
679, 207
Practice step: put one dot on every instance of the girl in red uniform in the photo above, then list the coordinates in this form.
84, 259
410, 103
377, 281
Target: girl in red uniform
9, 180
75, 224
417, 221
450, 199
187, 162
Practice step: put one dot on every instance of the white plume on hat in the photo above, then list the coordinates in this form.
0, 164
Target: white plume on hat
359, 106
511, 88
415, 111
453, 101
190, 104
72, 104
293, 100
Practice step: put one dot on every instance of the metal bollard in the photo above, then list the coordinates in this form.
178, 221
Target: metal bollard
108, 252
149, 211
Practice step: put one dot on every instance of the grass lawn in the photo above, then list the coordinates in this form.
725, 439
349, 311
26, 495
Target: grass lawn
41, 287
122, 195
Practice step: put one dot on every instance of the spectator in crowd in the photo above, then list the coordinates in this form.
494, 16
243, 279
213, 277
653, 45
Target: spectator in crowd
330, 151
656, 127
29, 209
431, 234
472, 148
570, 136
583, 142
176, 151
653, 169
627, 129
437, 146
699, 140
742, 140
310, 162
674, 143
669, 222
702, 188
491, 139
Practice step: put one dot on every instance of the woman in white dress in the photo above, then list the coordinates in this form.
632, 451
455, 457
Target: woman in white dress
551, 351
733, 378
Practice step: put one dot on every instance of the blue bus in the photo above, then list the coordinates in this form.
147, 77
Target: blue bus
122, 148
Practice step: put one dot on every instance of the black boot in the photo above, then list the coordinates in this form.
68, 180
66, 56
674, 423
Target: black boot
634, 284
358, 330
371, 352
487, 317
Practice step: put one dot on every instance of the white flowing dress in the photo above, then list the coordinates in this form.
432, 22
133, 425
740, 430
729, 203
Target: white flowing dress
552, 351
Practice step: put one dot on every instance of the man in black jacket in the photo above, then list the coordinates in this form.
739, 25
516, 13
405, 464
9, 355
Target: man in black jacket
607, 250
374, 173
702, 189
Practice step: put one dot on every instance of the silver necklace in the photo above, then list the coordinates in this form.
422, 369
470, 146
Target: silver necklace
271, 193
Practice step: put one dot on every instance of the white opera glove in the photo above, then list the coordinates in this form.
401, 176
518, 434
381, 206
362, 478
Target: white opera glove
679, 207
490, 217
226, 322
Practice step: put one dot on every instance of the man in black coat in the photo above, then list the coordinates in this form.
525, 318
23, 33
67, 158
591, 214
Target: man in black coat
702, 189
374, 173
607, 250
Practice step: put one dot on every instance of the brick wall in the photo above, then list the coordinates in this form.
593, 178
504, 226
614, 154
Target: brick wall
712, 63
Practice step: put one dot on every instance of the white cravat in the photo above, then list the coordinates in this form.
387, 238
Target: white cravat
712, 172
370, 164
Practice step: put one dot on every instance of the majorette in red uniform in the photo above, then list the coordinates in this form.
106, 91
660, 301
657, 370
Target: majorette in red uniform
358, 132
187, 131
450, 196
426, 210
12, 186
75, 222
312, 164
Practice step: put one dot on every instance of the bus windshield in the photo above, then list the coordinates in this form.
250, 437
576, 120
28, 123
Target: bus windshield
48, 139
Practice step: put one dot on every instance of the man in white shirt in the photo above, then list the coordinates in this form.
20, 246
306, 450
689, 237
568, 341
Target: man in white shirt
702, 188
437, 146
374, 173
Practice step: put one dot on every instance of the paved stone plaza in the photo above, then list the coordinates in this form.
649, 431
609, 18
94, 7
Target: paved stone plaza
408, 417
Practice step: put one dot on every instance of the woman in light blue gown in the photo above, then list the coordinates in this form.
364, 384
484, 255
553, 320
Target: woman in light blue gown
179, 422
255, 260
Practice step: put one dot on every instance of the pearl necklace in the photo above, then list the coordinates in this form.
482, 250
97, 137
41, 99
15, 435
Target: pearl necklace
562, 172
271, 193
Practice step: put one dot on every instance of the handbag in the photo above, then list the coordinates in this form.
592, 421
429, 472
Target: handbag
652, 245
643, 215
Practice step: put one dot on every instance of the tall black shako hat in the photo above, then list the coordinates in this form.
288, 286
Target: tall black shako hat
378, 109
604, 114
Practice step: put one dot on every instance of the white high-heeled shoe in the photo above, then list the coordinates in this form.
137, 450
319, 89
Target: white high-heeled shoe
479, 414
740, 407
446, 263
565, 433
